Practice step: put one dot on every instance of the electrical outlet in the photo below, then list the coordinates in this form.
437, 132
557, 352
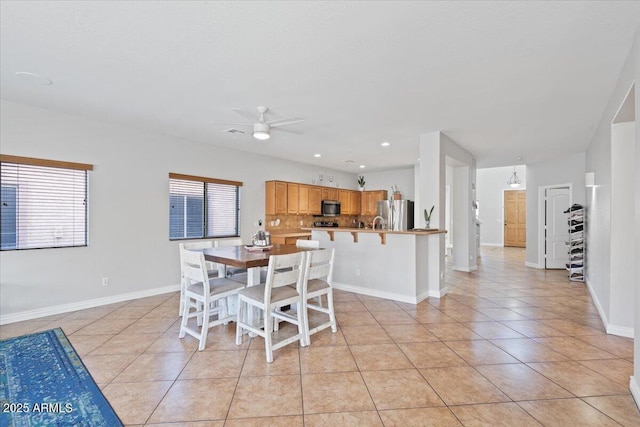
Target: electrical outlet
442, 274
358, 272
105, 281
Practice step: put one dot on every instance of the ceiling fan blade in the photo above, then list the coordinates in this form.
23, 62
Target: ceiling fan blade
234, 130
288, 130
249, 116
282, 122
232, 124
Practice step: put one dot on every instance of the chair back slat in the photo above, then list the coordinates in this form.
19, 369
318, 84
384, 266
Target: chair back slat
276, 277
194, 268
321, 264
308, 244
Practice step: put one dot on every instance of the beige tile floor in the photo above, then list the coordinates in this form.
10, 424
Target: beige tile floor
508, 346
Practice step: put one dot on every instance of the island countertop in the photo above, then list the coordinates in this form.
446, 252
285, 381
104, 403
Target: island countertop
419, 231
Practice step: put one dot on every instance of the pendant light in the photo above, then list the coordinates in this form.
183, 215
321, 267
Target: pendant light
514, 181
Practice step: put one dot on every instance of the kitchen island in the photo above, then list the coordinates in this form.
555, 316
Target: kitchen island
405, 266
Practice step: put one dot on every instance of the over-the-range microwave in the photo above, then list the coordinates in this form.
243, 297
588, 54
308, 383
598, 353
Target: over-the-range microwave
330, 208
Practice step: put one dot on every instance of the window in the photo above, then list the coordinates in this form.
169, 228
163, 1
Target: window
43, 203
203, 207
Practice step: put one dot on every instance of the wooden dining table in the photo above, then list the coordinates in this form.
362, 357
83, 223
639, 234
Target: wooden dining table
252, 260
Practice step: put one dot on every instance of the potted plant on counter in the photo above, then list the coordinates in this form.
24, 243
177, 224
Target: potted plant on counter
395, 191
427, 217
361, 182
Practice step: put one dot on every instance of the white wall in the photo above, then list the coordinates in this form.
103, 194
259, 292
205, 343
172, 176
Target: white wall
598, 160
128, 205
383, 180
569, 169
490, 193
622, 242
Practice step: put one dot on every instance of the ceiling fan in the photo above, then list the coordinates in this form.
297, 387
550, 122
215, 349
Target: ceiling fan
261, 128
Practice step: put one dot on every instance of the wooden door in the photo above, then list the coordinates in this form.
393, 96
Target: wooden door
515, 218
315, 200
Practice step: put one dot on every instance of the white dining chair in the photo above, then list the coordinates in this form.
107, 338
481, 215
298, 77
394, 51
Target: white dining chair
225, 270
308, 244
205, 296
212, 269
281, 288
318, 281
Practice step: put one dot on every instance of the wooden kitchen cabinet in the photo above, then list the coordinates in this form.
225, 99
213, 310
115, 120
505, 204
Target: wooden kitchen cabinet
292, 198
355, 202
315, 200
369, 202
275, 198
329, 194
344, 197
303, 199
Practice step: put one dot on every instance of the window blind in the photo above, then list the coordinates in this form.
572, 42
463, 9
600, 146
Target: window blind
203, 207
42, 206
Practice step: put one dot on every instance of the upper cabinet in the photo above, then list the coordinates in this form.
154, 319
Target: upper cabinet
369, 202
329, 193
354, 202
315, 200
345, 202
291, 198
276, 198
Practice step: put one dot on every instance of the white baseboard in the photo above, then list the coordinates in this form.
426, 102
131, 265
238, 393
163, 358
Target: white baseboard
440, 294
596, 302
533, 265
621, 331
465, 269
634, 386
496, 245
382, 294
97, 302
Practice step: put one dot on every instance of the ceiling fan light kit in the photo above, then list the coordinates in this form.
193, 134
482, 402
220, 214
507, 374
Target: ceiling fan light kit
261, 128
261, 131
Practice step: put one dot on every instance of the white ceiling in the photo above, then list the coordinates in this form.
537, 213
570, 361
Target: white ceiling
503, 79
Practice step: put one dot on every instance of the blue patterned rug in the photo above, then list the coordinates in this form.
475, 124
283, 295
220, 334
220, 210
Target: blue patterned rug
43, 382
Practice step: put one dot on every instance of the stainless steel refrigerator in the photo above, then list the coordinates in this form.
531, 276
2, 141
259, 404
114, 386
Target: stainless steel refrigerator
397, 214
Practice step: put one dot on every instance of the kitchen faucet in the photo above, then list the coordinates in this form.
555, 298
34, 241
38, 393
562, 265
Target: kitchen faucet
373, 224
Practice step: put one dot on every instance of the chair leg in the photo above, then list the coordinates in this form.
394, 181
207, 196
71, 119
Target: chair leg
204, 328
268, 327
225, 309
185, 319
182, 286
332, 313
303, 324
239, 320
276, 321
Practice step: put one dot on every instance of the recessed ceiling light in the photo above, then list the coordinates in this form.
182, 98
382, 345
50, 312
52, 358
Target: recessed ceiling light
385, 144
362, 166
317, 155
34, 78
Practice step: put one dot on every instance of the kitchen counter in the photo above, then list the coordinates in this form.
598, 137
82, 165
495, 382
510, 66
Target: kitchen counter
406, 266
289, 238
383, 233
